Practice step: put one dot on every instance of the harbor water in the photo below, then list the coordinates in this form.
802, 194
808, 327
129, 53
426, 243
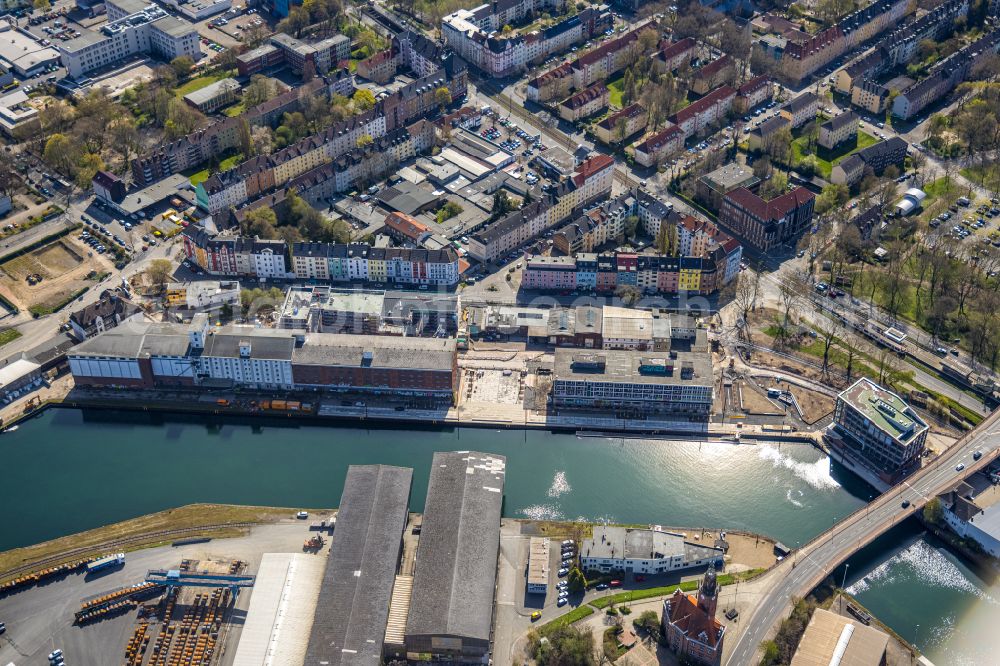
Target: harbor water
70, 470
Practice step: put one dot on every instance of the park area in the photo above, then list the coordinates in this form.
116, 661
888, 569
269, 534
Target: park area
48, 278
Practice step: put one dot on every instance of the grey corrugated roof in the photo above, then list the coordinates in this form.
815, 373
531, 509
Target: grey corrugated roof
337, 350
353, 605
456, 567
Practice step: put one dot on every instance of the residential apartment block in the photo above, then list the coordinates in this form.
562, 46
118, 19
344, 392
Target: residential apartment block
710, 110
838, 129
800, 54
894, 49
944, 76
876, 157
620, 125
800, 110
719, 72
234, 256
767, 224
475, 35
585, 103
657, 147
598, 64
753, 93
590, 182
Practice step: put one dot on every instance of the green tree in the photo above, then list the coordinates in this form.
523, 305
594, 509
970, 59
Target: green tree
260, 222
448, 211
576, 580
631, 226
501, 205
62, 153
42, 5
296, 21
563, 646
442, 96
365, 140
182, 65
159, 271
934, 512
363, 99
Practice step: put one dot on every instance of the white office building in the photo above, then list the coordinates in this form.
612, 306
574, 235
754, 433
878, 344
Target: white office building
150, 30
643, 551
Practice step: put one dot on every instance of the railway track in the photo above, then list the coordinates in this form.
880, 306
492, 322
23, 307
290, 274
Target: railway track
79, 553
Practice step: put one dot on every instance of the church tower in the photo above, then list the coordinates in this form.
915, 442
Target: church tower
708, 593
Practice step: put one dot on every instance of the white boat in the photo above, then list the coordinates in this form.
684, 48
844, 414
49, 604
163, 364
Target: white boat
12, 428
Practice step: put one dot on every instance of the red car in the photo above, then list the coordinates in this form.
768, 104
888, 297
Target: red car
615, 583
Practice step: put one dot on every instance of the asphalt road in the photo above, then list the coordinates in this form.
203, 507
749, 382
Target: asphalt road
800, 573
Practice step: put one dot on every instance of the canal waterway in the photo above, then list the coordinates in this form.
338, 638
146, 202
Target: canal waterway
68, 470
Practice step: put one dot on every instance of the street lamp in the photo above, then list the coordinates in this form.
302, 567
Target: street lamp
843, 583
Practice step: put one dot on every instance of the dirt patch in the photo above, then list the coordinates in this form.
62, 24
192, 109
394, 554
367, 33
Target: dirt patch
768, 360
755, 403
814, 405
62, 267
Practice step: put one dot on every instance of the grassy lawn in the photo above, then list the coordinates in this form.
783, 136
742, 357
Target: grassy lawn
199, 177
942, 187
988, 178
616, 88
686, 586
827, 159
230, 161
235, 110
569, 618
199, 82
192, 515
9, 335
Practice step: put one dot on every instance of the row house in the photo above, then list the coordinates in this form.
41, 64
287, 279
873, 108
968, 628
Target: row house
622, 124
649, 273
589, 183
510, 232
595, 227
271, 259
721, 71
707, 111
762, 224
260, 174
801, 54
753, 93
222, 135
945, 76
585, 103
657, 147
317, 186
896, 48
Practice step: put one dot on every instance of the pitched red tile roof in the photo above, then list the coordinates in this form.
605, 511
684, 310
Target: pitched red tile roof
686, 616
654, 141
775, 208
703, 104
754, 84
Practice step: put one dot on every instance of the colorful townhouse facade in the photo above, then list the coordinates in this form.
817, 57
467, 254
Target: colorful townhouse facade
232, 256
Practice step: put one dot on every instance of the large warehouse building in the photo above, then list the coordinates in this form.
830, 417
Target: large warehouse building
353, 607
454, 584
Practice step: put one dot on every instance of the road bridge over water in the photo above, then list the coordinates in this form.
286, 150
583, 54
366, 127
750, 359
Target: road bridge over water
800, 573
